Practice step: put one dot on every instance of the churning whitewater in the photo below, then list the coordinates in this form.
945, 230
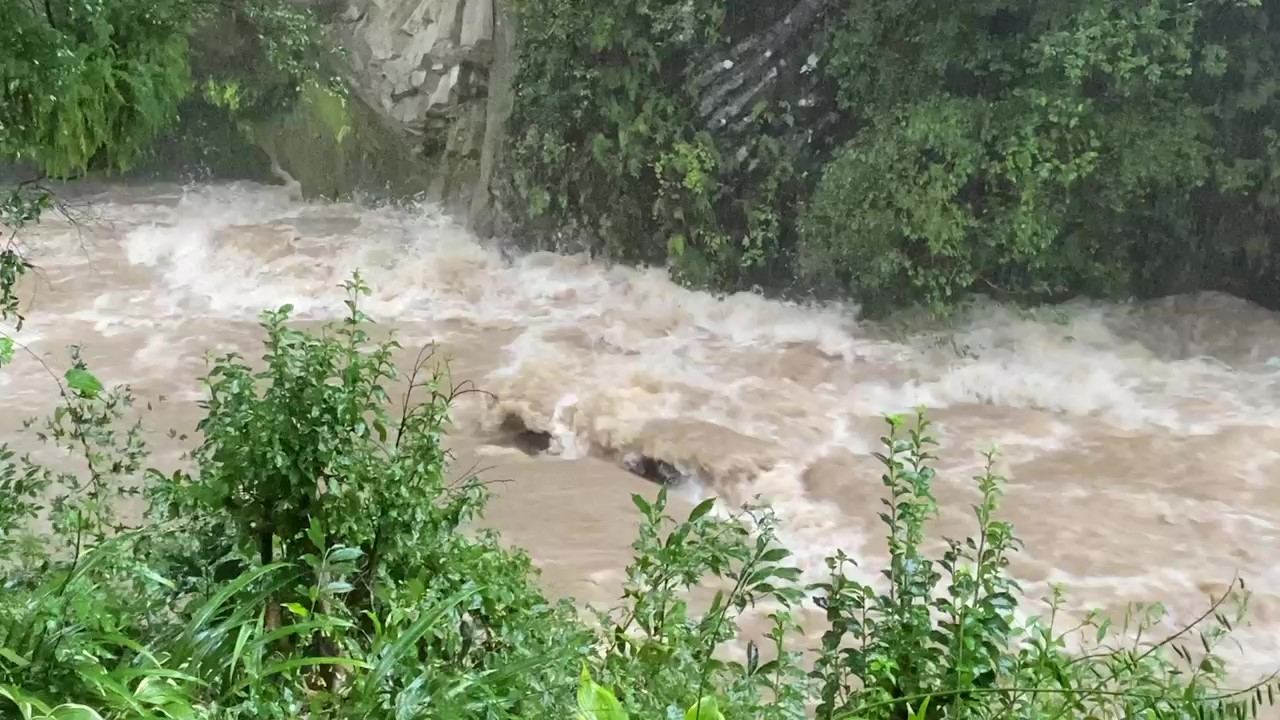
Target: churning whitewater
1141, 440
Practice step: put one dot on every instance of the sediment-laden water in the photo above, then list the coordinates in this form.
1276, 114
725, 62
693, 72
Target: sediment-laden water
1142, 441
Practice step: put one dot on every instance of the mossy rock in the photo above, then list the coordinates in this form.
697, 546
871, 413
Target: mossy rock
333, 145
205, 143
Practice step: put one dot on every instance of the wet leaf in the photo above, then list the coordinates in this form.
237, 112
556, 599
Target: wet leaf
74, 711
775, 555
596, 702
705, 709
13, 658
702, 509
345, 554
641, 504
83, 382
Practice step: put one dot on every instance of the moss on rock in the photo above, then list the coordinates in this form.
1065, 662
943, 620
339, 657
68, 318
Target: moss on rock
333, 145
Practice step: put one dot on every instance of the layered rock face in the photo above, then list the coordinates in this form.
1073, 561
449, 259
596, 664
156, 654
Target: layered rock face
439, 72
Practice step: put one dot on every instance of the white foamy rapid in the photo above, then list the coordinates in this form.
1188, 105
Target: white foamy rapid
1141, 440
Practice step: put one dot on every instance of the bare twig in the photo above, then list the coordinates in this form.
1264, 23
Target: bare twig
62, 390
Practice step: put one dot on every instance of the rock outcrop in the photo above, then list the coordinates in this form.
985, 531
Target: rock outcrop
438, 72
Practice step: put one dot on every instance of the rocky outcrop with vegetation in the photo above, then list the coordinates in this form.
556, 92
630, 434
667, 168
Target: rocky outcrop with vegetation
913, 151
429, 67
380, 97
892, 153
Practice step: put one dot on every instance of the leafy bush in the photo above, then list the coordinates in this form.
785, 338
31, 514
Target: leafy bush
958, 650
661, 655
1050, 149
83, 84
313, 563
81, 79
885, 218
1033, 151
605, 135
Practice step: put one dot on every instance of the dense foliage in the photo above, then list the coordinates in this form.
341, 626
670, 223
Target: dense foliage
87, 84
315, 558
82, 84
1052, 148
606, 134
315, 561
90, 85
1025, 149
82, 81
892, 152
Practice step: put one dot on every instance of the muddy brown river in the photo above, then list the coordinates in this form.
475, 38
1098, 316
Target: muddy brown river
1142, 441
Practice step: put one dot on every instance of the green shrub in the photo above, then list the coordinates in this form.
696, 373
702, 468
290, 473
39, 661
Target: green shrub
958, 650
1031, 151
312, 561
82, 81
1036, 151
660, 655
605, 134
888, 218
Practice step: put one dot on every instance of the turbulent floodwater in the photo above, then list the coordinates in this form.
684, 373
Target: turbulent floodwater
1142, 442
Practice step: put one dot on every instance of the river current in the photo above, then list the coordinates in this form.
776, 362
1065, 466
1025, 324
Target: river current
1141, 441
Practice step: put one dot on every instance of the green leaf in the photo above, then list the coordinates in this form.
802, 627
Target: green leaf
640, 503
207, 611
242, 637
316, 534
83, 382
409, 638
299, 630
6, 351
74, 711
26, 703
702, 509
13, 657
676, 246
596, 702
345, 554
705, 709
153, 692
920, 714
179, 709
337, 587
775, 555
297, 609
287, 665
156, 577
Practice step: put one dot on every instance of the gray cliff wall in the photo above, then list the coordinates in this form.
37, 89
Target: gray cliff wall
437, 72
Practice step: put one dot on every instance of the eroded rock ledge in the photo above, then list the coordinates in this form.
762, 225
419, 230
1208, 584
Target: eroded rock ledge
437, 71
